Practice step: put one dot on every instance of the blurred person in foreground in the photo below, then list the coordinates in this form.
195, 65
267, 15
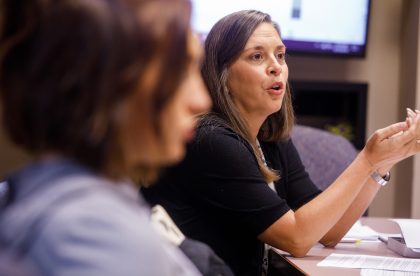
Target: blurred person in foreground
97, 91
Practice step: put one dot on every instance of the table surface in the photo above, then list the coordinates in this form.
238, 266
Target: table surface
308, 264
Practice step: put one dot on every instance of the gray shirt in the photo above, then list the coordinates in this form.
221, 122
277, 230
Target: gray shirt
101, 229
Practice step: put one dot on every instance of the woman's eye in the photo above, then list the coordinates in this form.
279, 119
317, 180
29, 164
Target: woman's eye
257, 57
281, 56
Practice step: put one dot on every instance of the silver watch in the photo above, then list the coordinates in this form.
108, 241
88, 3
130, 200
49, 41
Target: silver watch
382, 180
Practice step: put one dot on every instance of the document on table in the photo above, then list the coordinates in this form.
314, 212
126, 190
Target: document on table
360, 232
374, 262
377, 272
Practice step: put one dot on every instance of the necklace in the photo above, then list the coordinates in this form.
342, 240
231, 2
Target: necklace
272, 187
261, 152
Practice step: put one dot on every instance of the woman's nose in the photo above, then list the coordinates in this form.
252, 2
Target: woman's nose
200, 101
274, 68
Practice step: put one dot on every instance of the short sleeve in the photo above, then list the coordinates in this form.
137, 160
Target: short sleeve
295, 184
228, 180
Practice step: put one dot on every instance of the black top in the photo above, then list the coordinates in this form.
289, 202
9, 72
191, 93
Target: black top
217, 194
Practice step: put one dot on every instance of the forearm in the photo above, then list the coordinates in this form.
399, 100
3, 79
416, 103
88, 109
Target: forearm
327, 208
352, 214
355, 210
297, 232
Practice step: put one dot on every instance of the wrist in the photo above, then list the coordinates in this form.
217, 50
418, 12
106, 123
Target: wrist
381, 179
383, 170
366, 162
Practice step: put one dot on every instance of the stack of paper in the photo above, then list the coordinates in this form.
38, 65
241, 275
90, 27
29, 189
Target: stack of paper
360, 232
372, 262
377, 272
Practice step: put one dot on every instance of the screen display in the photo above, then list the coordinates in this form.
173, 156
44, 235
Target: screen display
336, 27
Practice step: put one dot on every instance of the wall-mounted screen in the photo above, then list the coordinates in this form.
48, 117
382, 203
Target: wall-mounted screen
337, 27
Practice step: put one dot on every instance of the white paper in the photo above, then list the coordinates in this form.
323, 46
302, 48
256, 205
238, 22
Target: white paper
360, 232
374, 262
377, 272
410, 230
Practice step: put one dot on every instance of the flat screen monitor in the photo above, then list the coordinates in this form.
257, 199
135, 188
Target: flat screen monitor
333, 27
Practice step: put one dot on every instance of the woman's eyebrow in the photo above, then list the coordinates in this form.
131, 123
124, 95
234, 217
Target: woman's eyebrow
260, 47
257, 47
282, 47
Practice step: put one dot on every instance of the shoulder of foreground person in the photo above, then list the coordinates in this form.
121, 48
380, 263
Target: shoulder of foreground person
97, 231
103, 235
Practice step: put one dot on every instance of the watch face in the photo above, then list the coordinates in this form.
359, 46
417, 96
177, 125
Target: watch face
382, 182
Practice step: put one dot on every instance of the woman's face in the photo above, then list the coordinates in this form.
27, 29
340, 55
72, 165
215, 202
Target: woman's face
192, 98
257, 79
142, 145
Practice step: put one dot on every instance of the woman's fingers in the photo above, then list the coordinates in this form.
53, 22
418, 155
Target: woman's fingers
393, 130
409, 135
411, 113
416, 121
414, 130
396, 142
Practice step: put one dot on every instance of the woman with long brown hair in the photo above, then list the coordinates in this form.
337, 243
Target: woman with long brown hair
242, 186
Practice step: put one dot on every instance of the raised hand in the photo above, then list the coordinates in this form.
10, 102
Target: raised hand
389, 145
413, 115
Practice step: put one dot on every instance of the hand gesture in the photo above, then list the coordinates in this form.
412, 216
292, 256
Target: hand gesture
389, 145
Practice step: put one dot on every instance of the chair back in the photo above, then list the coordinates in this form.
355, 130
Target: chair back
325, 155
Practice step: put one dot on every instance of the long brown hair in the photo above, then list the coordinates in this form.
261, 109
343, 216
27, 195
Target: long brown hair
223, 46
67, 65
